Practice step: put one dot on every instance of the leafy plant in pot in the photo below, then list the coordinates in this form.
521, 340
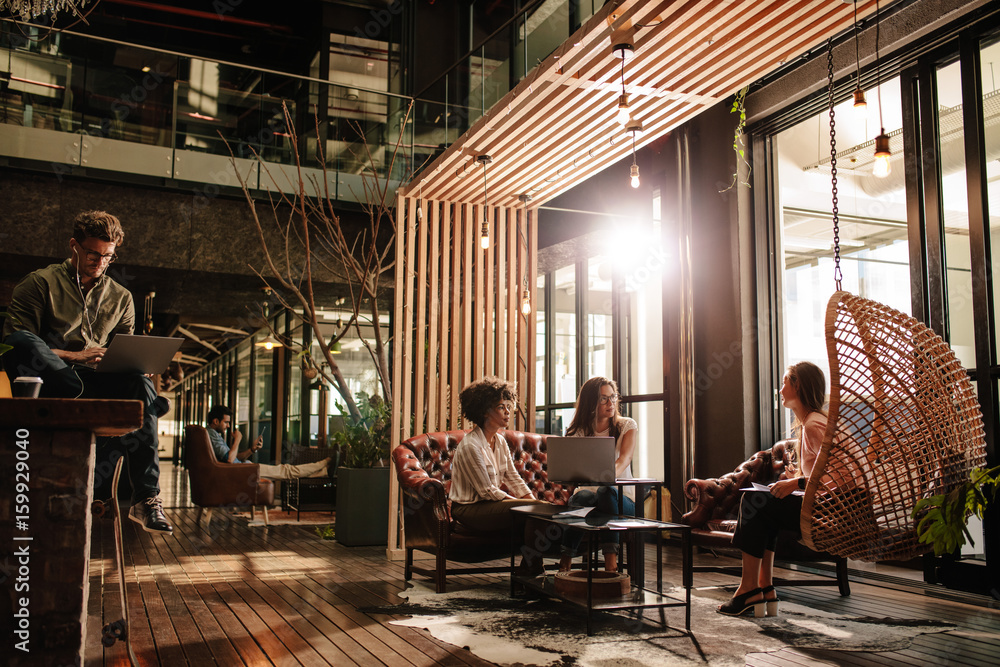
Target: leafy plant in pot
363, 476
364, 441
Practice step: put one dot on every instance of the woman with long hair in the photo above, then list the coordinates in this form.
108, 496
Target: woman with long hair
763, 515
597, 415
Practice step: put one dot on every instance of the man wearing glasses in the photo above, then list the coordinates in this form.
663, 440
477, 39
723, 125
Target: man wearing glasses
61, 319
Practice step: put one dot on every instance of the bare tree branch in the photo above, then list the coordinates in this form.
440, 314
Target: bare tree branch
311, 233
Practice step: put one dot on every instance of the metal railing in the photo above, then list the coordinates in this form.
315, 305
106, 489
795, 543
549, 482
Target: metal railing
171, 115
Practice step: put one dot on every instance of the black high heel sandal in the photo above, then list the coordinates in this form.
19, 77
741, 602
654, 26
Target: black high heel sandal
739, 606
770, 606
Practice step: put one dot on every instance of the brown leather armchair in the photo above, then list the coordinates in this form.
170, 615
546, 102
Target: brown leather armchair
423, 466
217, 484
716, 504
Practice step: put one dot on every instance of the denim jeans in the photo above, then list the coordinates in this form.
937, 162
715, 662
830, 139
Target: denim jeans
605, 501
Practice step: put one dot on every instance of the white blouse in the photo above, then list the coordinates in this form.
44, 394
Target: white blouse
478, 470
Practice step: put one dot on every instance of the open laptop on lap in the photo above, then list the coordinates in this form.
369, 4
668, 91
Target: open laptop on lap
148, 355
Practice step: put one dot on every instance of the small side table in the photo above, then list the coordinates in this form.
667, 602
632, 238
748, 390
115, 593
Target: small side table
310, 494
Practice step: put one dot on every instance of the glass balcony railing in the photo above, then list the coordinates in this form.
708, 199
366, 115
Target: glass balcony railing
128, 109
450, 105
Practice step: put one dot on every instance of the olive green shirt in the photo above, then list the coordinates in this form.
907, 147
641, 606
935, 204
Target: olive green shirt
50, 304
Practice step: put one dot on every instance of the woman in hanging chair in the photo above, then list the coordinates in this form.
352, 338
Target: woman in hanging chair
763, 515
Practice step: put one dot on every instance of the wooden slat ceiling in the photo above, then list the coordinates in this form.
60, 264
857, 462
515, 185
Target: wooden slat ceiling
557, 127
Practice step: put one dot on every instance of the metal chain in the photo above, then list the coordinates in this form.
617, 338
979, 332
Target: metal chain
838, 276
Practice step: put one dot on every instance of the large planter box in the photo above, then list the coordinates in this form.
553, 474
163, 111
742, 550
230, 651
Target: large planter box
362, 506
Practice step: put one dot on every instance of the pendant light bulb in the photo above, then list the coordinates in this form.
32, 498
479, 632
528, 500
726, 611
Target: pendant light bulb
860, 104
526, 302
484, 236
269, 343
882, 167
484, 231
623, 116
634, 128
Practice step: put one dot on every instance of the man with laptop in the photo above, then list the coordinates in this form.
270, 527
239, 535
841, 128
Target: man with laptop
61, 321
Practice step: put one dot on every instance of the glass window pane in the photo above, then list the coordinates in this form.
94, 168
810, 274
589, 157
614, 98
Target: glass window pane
242, 409
990, 59
560, 420
263, 386
540, 374
647, 460
955, 204
564, 331
599, 329
639, 259
872, 212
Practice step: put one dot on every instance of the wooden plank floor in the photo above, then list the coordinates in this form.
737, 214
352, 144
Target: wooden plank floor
236, 595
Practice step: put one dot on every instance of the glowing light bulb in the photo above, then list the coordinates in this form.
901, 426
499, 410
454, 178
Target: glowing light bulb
635, 176
484, 236
860, 105
526, 302
882, 168
268, 345
623, 116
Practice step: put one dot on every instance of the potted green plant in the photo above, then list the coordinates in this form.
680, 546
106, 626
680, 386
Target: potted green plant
942, 518
363, 475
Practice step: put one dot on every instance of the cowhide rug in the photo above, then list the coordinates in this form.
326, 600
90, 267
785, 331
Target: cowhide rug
548, 632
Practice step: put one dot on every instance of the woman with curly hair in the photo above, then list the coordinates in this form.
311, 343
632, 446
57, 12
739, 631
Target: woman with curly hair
597, 415
482, 461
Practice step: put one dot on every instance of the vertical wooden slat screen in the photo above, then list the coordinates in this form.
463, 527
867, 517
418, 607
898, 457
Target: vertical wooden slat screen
434, 401
457, 314
524, 344
457, 317
489, 286
497, 292
405, 218
469, 244
444, 368
420, 319
479, 297
510, 330
531, 248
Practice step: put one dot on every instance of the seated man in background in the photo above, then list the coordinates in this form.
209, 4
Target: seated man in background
62, 319
219, 420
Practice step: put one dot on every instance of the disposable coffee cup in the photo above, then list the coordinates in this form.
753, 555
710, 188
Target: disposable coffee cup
26, 386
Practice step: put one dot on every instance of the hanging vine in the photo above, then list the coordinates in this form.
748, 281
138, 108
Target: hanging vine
739, 147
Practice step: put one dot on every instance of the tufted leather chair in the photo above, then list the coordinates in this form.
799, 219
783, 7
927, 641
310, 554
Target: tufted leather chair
217, 484
423, 466
716, 504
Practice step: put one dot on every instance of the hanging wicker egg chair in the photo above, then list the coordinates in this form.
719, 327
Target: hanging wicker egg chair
904, 424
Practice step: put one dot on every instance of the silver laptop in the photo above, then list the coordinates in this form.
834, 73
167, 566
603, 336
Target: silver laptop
139, 354
575, 459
